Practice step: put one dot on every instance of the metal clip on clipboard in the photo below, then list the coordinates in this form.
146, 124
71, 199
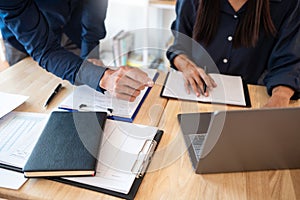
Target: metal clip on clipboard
144, 158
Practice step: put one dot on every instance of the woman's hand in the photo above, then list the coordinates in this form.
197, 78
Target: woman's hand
194, 76
281, 96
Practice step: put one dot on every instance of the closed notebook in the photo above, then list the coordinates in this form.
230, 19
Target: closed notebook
68, 145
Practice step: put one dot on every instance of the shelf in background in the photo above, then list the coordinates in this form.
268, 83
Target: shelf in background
165, 4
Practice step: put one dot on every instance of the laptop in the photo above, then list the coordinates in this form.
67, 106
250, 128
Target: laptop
242, 140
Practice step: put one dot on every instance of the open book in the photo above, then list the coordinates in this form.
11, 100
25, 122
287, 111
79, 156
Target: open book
84, 98
230, 90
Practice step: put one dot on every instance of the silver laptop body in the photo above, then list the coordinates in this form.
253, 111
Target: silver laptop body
243, 140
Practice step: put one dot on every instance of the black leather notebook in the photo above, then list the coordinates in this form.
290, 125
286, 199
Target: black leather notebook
68, 145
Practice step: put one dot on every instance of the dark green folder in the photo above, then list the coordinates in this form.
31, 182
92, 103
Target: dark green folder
68, 145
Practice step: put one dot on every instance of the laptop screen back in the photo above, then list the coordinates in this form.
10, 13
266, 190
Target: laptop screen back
248, 140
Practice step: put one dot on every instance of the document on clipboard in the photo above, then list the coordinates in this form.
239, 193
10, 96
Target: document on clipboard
124, 156
84, 98
19, 132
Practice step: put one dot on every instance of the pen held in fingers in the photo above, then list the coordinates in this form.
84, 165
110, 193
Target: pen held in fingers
204, 84
204, 87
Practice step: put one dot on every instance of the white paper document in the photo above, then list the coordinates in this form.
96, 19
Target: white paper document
229, 89
11, 180
19, 132
84, 98
9, 102
121, 145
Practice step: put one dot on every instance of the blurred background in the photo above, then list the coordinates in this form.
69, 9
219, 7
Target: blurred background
128, 15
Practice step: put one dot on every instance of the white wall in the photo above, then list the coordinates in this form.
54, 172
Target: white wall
134, 14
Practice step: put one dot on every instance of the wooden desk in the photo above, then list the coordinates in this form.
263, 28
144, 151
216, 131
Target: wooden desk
176, 178
27, 78
171, 175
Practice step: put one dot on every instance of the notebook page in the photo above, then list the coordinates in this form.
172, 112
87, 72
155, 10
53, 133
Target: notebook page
229, 89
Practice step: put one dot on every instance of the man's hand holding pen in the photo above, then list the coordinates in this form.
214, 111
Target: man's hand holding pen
126, 82
194, 76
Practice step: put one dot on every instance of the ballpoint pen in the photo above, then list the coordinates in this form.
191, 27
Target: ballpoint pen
56, 90
204, 84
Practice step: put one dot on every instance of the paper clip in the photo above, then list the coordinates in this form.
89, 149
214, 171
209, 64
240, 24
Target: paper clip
144, 158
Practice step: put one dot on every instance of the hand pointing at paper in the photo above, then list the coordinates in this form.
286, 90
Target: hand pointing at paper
126, 82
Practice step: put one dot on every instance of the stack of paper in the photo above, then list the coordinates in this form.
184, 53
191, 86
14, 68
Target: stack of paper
18, 135
9, 102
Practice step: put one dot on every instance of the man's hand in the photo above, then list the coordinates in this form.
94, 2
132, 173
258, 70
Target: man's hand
281, 96
194, 76
125, 83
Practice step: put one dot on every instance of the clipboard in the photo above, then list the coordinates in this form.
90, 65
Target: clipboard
70, 106
243, 85
138, 170
116, 117
11, 167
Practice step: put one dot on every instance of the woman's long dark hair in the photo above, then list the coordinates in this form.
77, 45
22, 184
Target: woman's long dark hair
247, 33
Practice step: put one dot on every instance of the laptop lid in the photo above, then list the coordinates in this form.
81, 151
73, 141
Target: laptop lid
249, 140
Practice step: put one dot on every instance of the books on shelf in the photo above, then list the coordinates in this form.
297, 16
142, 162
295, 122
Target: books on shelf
124, 53
136, 59
68, 145
123, 43
84, 98
230, 90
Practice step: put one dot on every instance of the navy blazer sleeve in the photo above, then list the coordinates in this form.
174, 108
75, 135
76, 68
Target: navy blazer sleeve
93, 27
284, 62
182, 29
31, 29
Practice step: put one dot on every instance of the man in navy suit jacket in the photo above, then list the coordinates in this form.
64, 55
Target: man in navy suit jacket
36, 27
